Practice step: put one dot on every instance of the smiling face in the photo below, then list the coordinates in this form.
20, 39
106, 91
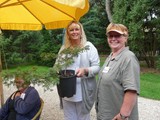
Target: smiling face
74, 33
116, 40
117, 36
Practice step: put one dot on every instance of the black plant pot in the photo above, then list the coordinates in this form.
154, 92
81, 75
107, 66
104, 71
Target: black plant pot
67, 84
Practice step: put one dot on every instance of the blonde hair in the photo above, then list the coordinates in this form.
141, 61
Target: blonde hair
67, 42
117, 27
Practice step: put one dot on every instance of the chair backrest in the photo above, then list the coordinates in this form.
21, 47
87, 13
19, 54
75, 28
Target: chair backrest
39, 111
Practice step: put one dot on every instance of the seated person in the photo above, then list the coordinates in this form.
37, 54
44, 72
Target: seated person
23, 104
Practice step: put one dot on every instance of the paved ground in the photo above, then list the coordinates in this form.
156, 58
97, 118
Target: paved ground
148, 109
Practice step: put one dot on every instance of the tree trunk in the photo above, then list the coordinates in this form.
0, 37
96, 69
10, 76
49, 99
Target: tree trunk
1, 92
150, 61
108, 10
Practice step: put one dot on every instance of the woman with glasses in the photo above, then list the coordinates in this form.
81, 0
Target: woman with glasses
119, 79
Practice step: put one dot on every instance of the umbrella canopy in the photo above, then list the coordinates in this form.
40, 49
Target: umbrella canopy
34, 14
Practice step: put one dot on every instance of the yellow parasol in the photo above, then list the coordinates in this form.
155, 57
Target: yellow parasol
34, 14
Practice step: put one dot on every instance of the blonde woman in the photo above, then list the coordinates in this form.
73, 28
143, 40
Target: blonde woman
86, 66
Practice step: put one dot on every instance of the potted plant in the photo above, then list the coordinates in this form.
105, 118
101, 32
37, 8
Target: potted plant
66, 84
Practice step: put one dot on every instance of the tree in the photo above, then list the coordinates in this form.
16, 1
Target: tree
27, 46
108, 10
95, 22
142, 18
51, 43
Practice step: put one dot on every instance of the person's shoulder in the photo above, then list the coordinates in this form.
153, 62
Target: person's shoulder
32, 89
88, 43
61, 48
128, 53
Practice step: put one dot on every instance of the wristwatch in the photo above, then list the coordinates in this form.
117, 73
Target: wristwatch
123, 117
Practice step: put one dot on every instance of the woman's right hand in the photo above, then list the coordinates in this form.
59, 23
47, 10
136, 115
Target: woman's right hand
18, 94
15, 95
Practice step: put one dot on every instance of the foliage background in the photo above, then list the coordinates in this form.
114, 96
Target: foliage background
26, 47
141, 17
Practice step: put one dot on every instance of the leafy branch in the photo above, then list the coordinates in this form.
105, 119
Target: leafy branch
46, 79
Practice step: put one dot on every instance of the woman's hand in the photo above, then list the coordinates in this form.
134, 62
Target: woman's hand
18, 94
82, 72
117, 117
120, 117
15, 95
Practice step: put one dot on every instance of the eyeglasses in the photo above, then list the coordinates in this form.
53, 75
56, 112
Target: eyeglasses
115, 36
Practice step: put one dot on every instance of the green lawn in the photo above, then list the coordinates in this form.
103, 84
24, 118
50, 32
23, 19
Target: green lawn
150, 85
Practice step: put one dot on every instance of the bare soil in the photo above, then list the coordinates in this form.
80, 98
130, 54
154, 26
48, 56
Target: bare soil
149, 70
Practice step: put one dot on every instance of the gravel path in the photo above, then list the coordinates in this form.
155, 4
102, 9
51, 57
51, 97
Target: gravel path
148, 109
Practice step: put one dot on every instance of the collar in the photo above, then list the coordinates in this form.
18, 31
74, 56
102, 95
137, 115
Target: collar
119, 55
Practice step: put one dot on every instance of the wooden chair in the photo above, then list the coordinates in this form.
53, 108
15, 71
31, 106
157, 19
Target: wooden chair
40, 110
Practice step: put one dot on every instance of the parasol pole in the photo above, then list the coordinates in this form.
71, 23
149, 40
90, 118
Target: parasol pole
1, 82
